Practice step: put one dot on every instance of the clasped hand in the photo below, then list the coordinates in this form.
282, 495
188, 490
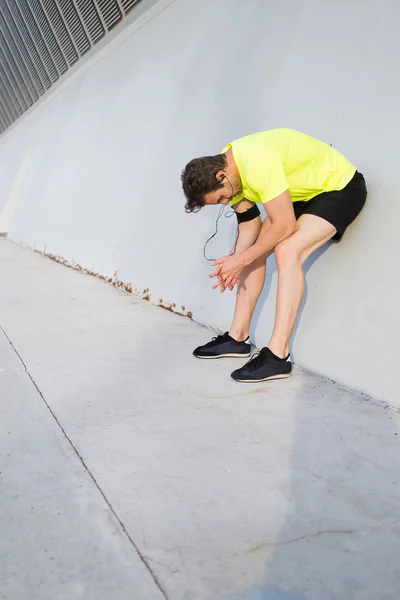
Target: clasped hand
228, 271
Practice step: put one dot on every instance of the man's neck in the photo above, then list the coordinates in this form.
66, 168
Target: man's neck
232, 172
230, 161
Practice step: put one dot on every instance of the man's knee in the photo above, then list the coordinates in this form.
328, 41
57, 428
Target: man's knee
287, 252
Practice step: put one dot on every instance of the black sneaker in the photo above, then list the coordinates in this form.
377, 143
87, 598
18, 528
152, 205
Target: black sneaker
263, 366
223, 346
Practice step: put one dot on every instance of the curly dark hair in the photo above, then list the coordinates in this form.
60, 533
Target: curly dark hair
199, 177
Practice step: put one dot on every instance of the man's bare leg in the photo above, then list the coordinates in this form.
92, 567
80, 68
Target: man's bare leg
251, 284
271, 362
312, 233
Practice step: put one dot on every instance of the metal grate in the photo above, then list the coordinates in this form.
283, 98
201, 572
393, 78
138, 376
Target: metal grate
41, 39
110, 12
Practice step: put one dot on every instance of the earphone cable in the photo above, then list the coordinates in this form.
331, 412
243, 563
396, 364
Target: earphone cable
227, 216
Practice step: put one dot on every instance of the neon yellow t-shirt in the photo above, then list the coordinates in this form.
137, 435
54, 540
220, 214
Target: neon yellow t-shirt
271, 162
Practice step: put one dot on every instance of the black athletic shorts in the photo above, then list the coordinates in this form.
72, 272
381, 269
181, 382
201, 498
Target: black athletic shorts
339, 208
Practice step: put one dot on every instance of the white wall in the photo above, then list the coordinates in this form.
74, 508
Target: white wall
93, 174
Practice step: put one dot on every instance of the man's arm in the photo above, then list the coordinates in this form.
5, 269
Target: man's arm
249, 231
283, 224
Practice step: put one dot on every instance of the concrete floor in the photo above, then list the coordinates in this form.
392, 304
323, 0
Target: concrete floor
132, 471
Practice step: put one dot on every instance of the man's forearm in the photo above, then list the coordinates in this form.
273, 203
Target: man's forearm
266, 243
247, 235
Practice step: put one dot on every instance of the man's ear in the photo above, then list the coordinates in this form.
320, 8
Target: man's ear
220, 176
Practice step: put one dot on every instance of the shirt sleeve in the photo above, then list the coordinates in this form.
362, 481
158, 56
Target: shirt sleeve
263, 173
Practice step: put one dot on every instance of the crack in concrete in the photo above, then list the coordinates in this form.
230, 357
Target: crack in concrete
158, 562
319, 533
92, 477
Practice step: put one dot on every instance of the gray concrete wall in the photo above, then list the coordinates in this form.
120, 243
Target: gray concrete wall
92, 174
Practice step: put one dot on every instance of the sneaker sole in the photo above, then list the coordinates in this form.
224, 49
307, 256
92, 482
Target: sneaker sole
223, 356
282, 376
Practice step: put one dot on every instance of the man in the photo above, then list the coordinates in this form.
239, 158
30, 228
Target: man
310, 192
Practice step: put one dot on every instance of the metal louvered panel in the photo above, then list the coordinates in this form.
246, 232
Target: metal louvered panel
13, 75
48, 35
16, 61
128, 4
6, 117
41, 39
4, 120
10, 111
31, 75
60, 31
38, 41
14, 106
74, 24
110, 11
36, 66
91, 19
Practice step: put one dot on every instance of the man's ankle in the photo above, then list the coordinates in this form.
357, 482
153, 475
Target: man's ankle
279, 350
238, 336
